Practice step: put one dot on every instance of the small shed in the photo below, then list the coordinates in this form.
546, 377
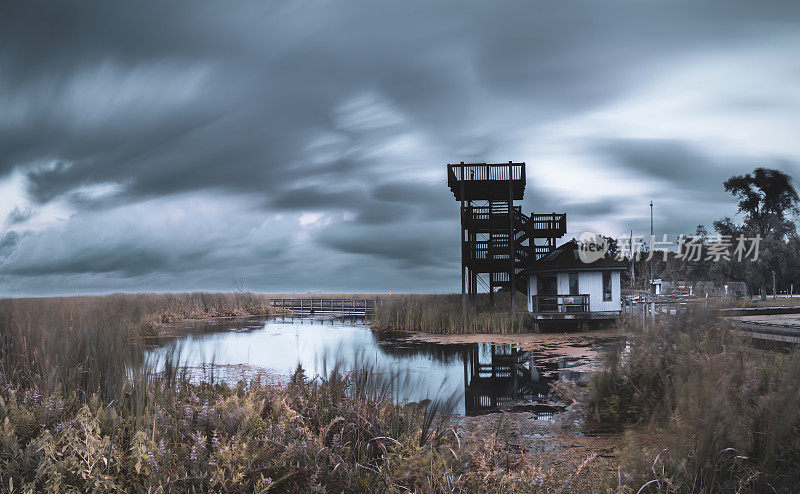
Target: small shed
657, 287
562, 286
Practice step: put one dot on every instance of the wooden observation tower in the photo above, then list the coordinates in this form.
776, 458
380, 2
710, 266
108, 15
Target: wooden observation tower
497, 239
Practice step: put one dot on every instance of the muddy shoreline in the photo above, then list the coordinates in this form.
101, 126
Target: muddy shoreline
562, 441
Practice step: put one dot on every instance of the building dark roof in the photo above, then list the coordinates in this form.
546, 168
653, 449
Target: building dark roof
566, 258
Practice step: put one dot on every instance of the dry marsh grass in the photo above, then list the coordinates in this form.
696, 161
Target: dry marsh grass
79, 412
725, 416
328, 435
91, 343
442, 314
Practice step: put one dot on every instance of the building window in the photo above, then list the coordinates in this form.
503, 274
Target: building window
607, 286
547, 285
573, 284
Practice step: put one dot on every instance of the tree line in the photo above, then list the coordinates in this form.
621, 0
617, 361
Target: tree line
768, 207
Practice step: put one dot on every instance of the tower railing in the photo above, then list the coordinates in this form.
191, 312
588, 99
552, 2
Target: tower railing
553, 221
486, 171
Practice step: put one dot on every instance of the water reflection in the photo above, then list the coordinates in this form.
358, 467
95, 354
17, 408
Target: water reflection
483, 377
504, 377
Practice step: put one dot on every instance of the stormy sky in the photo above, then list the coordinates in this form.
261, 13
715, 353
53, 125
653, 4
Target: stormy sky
301, 145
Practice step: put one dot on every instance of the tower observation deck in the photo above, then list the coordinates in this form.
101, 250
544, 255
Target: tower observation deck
497, 239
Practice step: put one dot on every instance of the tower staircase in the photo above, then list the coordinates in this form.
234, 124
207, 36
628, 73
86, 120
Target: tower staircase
497, 238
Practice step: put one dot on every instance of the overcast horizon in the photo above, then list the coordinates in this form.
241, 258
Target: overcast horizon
301, 146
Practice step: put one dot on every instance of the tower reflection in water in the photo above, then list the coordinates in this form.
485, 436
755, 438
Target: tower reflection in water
476, 377
504, 377
496, 377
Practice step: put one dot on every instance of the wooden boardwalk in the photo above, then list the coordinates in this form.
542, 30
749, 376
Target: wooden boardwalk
759, 311
781, 324
350, 306
786, 333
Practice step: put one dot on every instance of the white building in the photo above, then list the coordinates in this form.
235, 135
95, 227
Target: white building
563, 287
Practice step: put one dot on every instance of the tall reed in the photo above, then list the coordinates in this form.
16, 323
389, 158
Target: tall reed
92, 343
443, 314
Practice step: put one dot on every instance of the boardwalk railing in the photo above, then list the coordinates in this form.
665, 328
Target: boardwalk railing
365, 306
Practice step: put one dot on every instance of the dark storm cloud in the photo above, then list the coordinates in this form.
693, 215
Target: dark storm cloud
597, 208
316, 197
432, 201
276, 73
18, 215
126, 262
682, 167
365, 209
341, 109
411, 248
126, 259
678, 164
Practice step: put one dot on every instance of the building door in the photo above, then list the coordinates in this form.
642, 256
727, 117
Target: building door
573, 284
548, 284
547, 289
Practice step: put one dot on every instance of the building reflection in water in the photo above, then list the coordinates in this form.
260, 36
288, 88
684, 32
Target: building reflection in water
502, 377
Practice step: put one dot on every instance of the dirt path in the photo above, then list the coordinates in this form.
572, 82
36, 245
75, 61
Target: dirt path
558, 445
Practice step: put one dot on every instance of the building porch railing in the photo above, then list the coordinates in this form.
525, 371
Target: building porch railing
560, 303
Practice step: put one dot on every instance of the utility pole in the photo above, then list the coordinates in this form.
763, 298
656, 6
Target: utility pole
633, 271
652, 254
774, 293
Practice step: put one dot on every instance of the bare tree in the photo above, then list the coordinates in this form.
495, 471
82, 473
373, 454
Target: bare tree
238, 285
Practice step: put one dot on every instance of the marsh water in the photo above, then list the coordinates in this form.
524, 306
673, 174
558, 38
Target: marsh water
475, 378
